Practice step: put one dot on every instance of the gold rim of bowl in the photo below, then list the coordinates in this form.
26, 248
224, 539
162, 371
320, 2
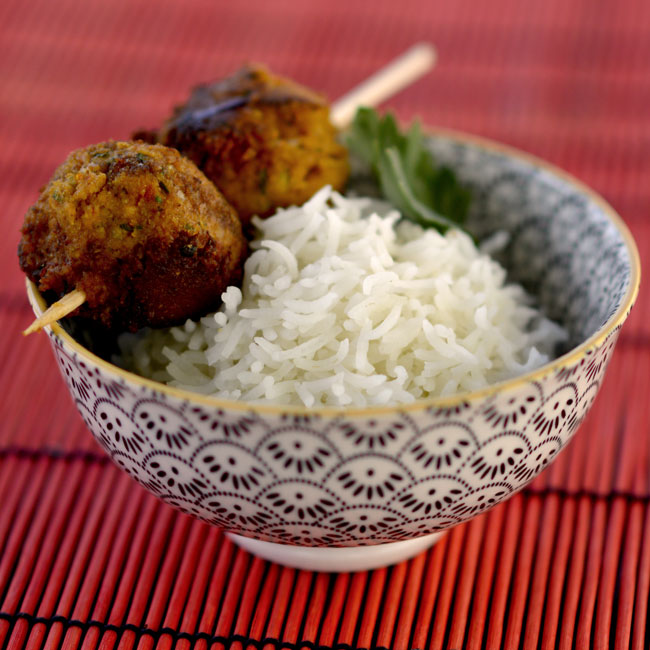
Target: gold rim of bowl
568, 359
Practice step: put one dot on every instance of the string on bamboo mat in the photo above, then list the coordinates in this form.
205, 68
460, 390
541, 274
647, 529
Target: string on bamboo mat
31, 453
177, 635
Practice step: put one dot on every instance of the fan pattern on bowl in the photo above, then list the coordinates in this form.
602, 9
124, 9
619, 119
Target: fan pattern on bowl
315, 480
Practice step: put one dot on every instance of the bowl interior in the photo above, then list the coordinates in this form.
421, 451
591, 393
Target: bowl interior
566, 246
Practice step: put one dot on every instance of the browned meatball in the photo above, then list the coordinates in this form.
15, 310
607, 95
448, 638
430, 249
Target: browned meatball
264, 141
139, 229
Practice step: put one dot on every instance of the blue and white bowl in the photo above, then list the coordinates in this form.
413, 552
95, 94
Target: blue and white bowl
332, 489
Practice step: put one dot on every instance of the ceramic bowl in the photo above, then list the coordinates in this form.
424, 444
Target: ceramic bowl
332, 489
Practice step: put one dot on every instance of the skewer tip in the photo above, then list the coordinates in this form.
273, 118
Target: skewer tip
60, 309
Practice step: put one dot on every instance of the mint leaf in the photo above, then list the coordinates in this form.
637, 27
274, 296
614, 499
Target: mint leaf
406, 171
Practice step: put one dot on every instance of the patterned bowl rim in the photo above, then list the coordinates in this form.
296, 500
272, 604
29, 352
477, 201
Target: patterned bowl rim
569, 358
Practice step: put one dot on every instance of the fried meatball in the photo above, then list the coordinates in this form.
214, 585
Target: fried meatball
264, 141
139, 229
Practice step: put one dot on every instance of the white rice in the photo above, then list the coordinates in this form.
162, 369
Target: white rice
343, 306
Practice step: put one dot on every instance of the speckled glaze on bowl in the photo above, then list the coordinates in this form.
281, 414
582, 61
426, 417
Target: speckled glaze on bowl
330, 480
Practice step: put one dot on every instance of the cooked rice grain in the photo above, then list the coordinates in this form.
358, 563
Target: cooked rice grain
345, 305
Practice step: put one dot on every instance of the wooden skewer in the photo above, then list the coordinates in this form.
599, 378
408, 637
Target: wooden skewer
394, 77
59, 309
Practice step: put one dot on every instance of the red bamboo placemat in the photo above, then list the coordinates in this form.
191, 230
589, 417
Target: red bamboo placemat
90, 560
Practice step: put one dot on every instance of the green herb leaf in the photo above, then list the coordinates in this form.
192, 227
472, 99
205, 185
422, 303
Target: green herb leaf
406, 171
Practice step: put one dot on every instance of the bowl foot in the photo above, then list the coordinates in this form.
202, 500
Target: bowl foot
338, 559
